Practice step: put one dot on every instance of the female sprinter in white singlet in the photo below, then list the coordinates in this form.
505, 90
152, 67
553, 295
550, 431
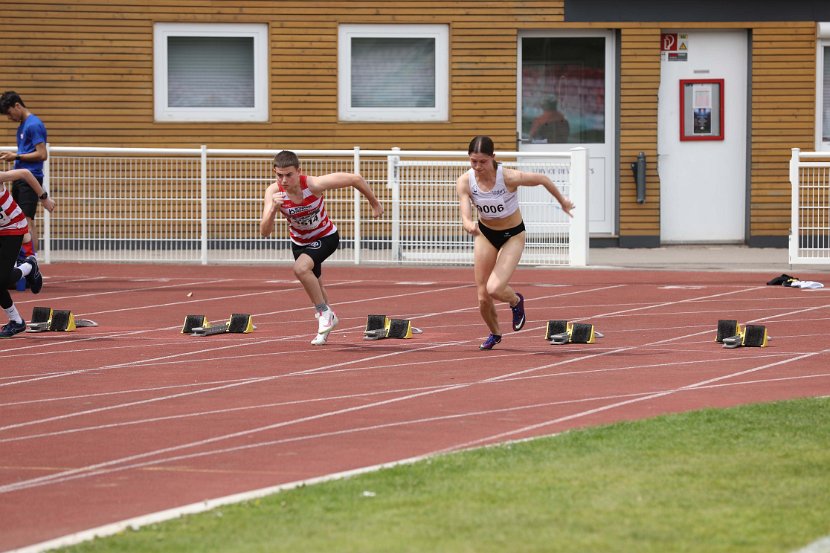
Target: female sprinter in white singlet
490, 189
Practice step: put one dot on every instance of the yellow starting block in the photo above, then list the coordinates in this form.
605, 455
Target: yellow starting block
198, 325
560, 332
56, 320
732, 335
379, 327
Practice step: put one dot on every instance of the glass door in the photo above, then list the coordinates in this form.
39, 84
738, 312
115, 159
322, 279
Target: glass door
566, 99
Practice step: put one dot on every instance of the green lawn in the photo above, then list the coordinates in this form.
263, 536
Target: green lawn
754, 478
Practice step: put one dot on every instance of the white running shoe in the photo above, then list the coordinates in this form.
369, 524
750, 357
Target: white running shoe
326, 321
320, 340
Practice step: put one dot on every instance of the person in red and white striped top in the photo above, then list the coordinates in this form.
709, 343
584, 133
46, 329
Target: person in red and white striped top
314, 236
13, 226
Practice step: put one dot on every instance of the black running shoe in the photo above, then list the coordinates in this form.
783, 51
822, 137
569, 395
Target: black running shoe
34, 278
12, 328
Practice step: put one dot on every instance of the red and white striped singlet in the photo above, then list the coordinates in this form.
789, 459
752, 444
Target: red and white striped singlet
307, 221
12, 220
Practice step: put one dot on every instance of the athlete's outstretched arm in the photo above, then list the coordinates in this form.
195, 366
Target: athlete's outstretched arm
333, 181
514, 179
26, 175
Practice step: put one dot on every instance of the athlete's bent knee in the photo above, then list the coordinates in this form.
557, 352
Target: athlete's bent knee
302, 269
485, 303
495, 290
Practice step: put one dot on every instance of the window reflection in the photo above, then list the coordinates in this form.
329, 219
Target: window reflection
563, 90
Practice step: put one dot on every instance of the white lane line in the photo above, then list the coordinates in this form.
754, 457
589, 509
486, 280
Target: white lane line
94, 468
202, 350
207, 505
46, 478
99, 293
195, 414
17, 350
143, 464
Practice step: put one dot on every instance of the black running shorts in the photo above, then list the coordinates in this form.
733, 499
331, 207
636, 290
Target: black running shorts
318, 251
500, 237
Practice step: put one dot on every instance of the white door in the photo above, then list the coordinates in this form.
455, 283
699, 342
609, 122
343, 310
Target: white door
703, 178
566, 99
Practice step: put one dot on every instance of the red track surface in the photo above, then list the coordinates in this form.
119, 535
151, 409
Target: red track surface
129, 418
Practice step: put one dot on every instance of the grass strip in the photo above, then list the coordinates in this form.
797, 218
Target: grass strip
746, 479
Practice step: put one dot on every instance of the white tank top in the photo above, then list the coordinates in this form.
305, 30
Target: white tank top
498, 203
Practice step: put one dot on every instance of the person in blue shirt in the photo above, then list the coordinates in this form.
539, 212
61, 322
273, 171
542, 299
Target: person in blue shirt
31, 153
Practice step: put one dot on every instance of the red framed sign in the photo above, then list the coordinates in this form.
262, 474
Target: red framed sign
701, 109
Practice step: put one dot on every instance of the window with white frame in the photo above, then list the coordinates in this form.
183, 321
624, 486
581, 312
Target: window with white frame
210, 72
393, 72
823, 88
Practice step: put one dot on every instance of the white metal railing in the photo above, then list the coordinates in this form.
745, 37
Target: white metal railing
203, 205
810, 227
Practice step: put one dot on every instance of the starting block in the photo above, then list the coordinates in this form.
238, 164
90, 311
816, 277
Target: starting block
198, 325
560, 332
194, 321
379, 327
732, 335
57, 320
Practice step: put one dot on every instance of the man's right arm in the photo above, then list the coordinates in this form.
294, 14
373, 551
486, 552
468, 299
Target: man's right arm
269, 212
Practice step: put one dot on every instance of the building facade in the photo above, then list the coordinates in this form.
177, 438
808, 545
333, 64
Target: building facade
708, 98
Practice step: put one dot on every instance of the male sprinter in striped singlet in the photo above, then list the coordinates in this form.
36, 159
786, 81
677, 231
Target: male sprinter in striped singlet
313, 235
13, 226
500, 232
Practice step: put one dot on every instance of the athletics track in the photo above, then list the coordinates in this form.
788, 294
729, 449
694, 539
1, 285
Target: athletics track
131, 418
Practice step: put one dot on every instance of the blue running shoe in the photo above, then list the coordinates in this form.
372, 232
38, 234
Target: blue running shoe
519, 313
491, 341
12, 328
35, 279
